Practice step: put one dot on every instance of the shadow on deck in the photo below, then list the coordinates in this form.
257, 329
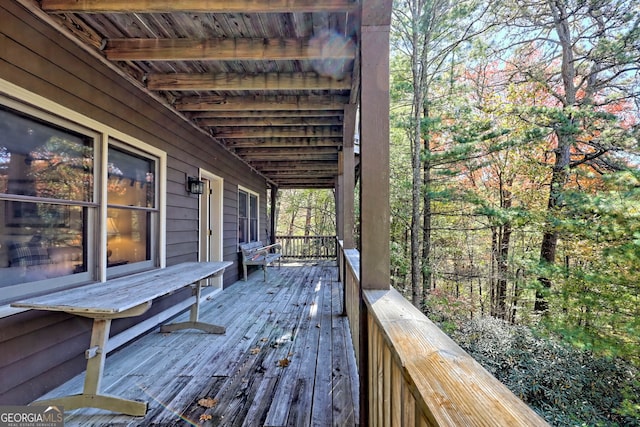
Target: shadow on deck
286, 360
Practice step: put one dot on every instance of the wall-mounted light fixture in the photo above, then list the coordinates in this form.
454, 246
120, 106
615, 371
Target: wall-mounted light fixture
194, 185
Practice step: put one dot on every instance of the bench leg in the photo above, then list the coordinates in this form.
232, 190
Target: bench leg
100, 401
193, 322
244, 267
90, 396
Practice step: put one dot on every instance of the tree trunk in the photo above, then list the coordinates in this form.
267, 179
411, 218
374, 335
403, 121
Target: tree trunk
494, 272
565, 134
426, 219
416, 166
504, 240
503, 270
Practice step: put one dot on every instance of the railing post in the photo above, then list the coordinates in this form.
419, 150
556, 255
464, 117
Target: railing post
274, 200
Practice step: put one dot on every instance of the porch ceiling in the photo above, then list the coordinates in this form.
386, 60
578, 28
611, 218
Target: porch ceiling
269, 79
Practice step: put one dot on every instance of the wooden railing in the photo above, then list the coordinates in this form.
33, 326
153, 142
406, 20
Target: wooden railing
308, 247
412, 373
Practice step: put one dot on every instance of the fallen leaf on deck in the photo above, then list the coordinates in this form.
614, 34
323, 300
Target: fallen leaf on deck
317, 325
255, 350
208, 402
264, 339
205, 417
283, 363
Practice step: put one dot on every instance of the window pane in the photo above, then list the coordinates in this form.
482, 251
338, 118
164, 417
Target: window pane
254, 217
41, 160
131, 179
254, 230
242, 230
53, 247
242, 204
128, 236
243, 211
254, 207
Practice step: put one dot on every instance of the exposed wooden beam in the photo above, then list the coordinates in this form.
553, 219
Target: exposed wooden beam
289, 157
283, 142
299, 174
271, 166
279, 132
314, 178
79, 28
196, 6
271, 121
252, 82
288, 151
224, 49
316, 182
263, 114
257, 103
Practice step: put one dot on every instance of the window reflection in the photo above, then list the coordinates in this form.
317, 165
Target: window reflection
46, 173
34, 252
38, 160
131, 179
131, 197
128, 238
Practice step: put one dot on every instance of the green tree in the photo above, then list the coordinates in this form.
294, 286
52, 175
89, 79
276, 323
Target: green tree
585, 55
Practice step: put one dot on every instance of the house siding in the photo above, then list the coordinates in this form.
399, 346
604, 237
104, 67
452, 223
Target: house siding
40, 350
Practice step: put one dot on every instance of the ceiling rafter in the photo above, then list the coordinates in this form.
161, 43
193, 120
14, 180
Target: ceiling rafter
224, 49
247, 82
338, 114
259, 102
269, 121
197, 6
299, 165
266, 79
278, 132
283, 142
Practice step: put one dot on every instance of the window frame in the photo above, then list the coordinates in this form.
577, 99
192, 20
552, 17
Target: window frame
95, 251
152, 211
249, 219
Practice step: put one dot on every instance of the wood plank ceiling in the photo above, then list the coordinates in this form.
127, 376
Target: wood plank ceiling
269, 79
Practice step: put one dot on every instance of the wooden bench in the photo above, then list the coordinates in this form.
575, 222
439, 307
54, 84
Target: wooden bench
118, 298
255, 253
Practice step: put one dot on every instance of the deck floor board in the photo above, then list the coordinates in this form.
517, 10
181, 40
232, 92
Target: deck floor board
285, 360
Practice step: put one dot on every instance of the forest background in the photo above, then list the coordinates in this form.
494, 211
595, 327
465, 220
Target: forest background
515, 193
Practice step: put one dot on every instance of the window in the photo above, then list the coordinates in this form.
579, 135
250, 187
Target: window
51, 207
132, 211
247, 216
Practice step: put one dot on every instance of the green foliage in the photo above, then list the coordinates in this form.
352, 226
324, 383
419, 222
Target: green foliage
567, 386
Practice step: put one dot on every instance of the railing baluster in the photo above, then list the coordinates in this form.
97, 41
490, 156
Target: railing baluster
308, 247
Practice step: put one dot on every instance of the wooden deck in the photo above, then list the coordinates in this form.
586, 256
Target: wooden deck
286, 360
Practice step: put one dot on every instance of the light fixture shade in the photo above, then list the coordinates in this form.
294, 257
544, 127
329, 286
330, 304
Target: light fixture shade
194, 185
112, 228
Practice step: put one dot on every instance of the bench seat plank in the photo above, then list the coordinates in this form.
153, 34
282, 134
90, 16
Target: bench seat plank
123, 297
118, 295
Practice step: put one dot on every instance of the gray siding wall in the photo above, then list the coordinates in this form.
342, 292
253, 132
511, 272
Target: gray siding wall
40, 350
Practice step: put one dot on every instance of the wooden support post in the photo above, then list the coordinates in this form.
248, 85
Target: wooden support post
374, 143
274, 202
374, 161
339, 197
349, 174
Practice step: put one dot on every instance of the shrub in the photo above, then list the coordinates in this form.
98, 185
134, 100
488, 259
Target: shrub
567, 386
